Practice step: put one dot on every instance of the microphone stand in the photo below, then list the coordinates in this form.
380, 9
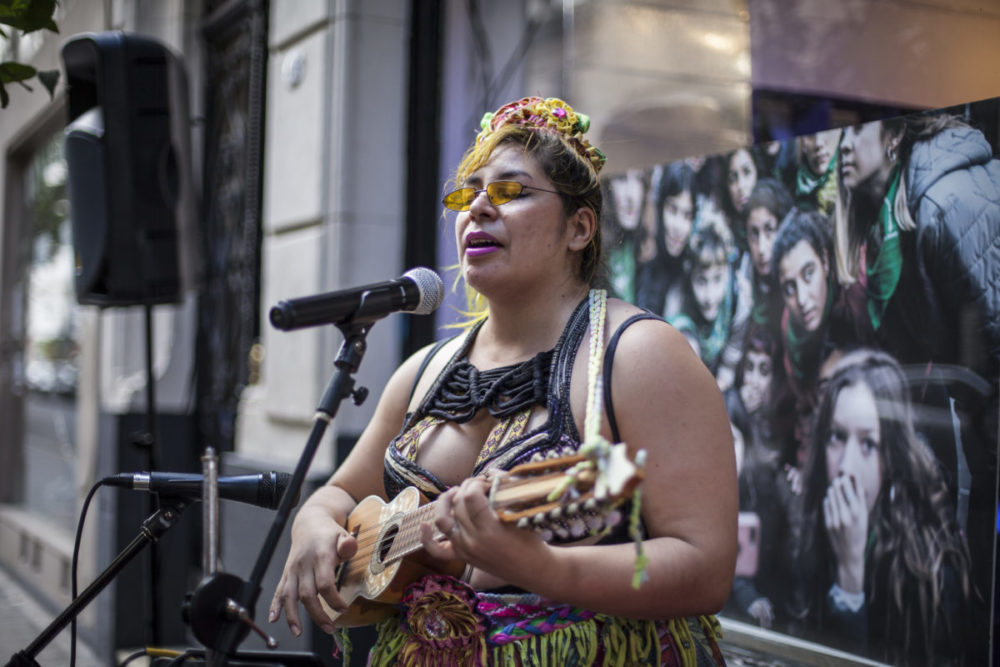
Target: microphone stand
152, 528
230, 632
230, 622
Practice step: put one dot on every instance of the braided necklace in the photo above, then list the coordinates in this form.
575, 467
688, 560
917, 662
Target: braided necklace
505, 391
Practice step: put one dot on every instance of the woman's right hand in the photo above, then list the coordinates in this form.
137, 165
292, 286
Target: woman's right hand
319, 543
845, 514
319, 540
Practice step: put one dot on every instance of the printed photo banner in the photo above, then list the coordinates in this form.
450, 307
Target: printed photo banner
844, 289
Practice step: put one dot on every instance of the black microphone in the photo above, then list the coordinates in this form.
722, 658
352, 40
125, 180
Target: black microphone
419, 291
263, 489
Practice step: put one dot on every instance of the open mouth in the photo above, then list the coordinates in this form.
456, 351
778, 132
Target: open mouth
479, 243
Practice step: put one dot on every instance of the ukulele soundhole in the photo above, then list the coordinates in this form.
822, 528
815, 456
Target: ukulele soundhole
386, 538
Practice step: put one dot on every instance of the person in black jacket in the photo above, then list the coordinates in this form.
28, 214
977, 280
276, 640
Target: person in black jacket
915, 228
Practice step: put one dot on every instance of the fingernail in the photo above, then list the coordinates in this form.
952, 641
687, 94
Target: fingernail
272, 616
295, 630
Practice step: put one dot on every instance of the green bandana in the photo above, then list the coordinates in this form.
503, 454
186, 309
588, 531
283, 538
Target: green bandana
883, 269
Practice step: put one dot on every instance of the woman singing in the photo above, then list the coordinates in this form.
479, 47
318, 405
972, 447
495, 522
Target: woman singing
516, 383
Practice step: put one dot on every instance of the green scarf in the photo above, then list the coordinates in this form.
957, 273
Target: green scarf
711, 336
806, 183
621, 270
802, 346
761, 310
817, 192
882, 271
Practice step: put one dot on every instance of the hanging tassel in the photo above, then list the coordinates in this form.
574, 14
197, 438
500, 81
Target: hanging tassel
639, 573
342, 645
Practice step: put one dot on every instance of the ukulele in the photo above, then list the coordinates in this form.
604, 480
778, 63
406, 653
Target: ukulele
568, 496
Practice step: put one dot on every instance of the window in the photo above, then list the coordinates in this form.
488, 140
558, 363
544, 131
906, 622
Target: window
50, 338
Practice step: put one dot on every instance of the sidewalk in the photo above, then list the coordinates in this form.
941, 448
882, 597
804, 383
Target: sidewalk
22, 619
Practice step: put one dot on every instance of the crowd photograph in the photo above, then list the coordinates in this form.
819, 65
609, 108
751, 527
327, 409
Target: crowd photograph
842, 288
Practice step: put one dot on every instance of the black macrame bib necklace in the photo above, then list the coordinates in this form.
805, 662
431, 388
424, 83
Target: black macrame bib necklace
463, 389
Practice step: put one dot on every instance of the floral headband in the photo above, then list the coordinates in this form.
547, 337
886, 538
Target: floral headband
551, 115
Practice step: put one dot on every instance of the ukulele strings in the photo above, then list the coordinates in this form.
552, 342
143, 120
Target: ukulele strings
369, 535
408, 539
405, 541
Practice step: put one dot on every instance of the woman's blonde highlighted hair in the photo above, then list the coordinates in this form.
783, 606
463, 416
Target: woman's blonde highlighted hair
552, 134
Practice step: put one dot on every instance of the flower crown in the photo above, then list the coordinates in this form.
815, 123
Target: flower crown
551, 115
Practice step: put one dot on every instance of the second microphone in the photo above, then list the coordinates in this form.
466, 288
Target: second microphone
261, 489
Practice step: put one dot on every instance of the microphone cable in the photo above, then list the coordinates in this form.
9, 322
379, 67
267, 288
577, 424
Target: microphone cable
154, 653
74, 588
73, 567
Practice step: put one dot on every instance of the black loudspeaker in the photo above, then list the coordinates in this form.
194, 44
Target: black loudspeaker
127, 127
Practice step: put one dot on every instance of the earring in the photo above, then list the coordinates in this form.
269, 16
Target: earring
890, 153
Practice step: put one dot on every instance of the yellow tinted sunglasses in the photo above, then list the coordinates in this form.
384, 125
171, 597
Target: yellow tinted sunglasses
498, 192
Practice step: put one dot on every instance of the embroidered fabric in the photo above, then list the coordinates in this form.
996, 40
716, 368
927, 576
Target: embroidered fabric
445, 622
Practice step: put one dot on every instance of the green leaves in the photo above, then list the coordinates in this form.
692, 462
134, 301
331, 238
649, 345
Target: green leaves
11, 71
26, 16
49, 78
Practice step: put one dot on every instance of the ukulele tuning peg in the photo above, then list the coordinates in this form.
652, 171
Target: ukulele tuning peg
523, 522
578, 528
546, 535
613, 519
536, 457
590, 505
573, 508
594, 523
539, 519
556, 513
561, 532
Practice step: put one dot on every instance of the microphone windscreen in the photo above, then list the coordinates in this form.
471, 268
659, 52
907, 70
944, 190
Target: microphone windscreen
431, 289
282, 483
